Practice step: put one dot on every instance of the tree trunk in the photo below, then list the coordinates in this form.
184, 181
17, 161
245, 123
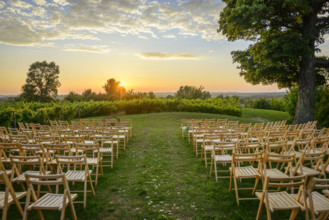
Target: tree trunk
306, 95
306, 79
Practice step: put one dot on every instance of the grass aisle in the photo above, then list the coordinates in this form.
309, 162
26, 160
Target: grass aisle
158, 177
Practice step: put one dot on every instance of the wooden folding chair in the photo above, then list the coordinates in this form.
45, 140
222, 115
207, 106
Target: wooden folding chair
63, 124
115, 138
239, 171
77, 171
20, 139
220, 155
9, 196
45, 139
93, 154
56, 149
208, 145
49, 201
282, 200
75, 126
87, 135
106, 149
32, 165
310, 164
318, 203
86, 123
273, 165
129, 126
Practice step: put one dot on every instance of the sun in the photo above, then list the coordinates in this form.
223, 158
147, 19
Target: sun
121, 84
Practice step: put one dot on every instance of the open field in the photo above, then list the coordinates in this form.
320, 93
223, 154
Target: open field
159, 177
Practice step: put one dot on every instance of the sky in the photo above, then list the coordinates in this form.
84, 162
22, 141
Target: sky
147, 45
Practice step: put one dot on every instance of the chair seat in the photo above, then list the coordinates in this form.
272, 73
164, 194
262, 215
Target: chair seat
110, 142
307, 171
276, 173
3, 160
242, 172
92, 161
320, 202
223, 158
10, 198
105, 150
281, 201
51, 201
76, 175
297, 154
208, 147
119, 136
21, 178
199, 140
320, 168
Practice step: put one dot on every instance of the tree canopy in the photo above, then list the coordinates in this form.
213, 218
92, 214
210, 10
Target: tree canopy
42, 82
192, 92
286, 36
114, 89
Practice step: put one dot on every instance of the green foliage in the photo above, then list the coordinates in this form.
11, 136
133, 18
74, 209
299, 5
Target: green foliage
41, 82
192, 92
43, 112
114, 89
321, 110
280, 43
89, 95
286, 36
266, 103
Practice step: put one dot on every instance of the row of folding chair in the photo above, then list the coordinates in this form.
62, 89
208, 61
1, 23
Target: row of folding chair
280, 156
58, 157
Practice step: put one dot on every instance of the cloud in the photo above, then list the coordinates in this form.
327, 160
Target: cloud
2, 4
40, 2
62, 19
167, 56
18, 34
88, 48
20, 4
169, 36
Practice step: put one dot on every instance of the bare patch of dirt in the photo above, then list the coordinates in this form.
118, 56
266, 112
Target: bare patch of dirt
259, 119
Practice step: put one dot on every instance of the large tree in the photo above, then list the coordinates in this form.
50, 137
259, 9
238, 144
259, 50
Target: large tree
286, 36
41, 82
114, 89
192, 92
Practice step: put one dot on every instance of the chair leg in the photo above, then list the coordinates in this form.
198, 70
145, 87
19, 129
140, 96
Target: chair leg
112, 159
91, 185
215, 164
63, 213
74, 215
85, 193
96, 179
4, 212
293, 214
256, 184
260, 207
211, 166
236, 190
231, 180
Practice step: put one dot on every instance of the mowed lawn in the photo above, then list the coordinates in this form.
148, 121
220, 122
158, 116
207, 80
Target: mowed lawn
159, 177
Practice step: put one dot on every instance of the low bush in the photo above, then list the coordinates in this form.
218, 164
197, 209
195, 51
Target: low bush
43, 112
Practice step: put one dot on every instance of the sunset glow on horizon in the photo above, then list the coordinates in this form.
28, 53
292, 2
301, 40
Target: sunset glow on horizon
146, 45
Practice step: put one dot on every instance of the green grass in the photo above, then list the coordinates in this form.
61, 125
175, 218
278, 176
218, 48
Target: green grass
159, 177
270, 115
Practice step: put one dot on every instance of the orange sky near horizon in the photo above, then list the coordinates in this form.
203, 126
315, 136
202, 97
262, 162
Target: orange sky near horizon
152, 46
